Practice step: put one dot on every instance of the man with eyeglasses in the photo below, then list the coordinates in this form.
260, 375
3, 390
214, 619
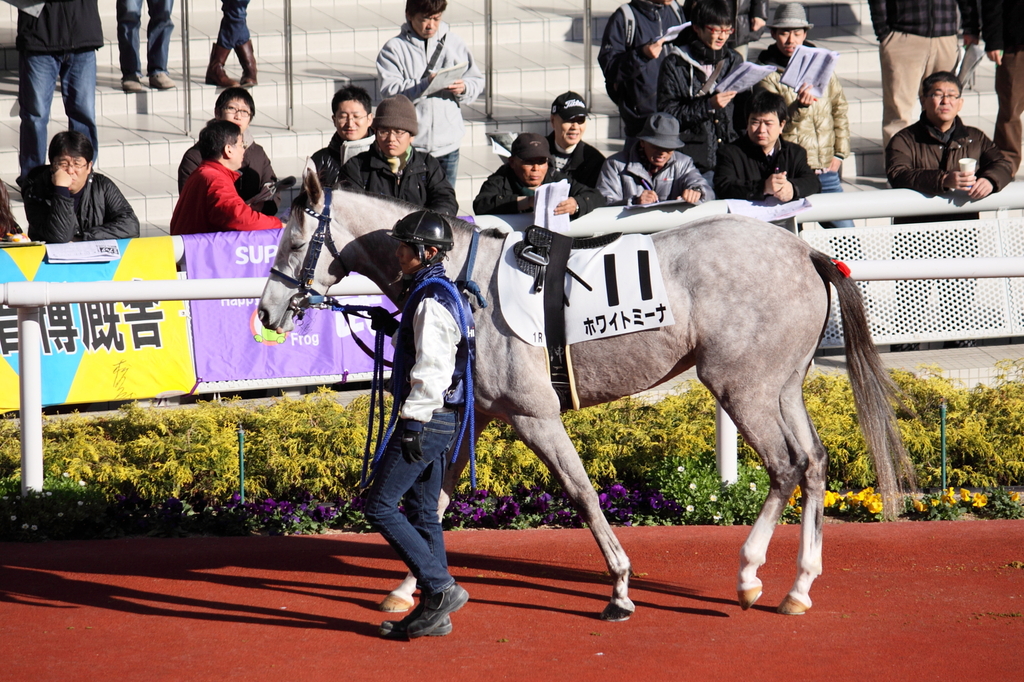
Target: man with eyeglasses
394, 168
350, 111
256, 176
570, 154
65, 201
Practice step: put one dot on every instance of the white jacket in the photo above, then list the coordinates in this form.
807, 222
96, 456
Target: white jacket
400, 66
437, 337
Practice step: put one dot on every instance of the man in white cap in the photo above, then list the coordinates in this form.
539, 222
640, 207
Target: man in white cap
570, 154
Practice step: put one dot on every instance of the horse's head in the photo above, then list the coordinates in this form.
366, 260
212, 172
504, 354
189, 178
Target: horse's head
302, 268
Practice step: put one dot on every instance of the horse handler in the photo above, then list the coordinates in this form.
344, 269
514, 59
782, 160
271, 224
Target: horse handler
428, 384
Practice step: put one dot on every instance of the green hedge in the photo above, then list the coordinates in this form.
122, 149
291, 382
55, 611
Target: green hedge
315, 445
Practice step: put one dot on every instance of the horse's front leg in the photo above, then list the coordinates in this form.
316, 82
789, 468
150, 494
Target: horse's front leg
401, 598
547, 438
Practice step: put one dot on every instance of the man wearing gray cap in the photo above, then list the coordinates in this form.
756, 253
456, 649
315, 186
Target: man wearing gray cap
570, 154
511, 188
652, 169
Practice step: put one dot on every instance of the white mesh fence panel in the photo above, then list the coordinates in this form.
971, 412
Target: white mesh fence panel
909, 311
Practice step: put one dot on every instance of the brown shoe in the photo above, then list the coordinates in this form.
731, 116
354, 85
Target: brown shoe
248, 61
215, 71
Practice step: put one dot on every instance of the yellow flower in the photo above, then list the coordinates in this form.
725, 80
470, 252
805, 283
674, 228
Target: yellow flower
935, 502
919, 506
949, 497
831, 498
874, 506
1015, 497
980, 500
965, 494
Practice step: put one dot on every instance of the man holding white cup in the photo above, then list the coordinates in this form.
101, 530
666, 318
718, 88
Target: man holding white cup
939, 153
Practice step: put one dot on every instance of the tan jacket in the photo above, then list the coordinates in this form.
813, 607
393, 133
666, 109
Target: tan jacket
823, 128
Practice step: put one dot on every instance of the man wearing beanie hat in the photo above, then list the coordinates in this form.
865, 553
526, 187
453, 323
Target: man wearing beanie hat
570, 154
394, 168
511, 188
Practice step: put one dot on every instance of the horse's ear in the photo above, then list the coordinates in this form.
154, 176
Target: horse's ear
311, 182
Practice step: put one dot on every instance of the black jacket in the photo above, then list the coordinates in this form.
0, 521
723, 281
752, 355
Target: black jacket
631, 78
328, 160
103, 212
743, 168
1002, 24
423, 181
501, 191
702, 128
67, 26
585, 163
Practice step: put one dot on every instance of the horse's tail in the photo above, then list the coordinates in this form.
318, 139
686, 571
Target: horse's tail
873, 389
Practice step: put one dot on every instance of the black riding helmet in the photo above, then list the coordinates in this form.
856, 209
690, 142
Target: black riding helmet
424, 228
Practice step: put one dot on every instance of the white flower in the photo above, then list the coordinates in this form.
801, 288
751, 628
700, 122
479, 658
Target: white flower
718, 517
60, 514
689, 508
24, 526
80, 503
753, 486
13, 517
81, 483
35, 527
714, 498
5, 497
66, 475
693, 486
681, 469
49, 494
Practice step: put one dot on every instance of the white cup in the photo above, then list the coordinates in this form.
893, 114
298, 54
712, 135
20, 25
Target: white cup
968, 165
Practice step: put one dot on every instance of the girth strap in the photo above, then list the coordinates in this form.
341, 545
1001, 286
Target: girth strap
554, 317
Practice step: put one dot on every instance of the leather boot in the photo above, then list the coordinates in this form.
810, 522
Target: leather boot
215, 71
248, 61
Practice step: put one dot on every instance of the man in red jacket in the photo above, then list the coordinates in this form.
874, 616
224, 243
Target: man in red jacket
209, 201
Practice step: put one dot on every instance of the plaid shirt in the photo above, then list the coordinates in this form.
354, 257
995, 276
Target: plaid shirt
928, 18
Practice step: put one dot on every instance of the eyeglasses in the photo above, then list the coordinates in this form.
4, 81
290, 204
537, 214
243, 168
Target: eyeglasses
579, 120
345, 118
720, 30
66, 165
231, 111
940, 97
391, 134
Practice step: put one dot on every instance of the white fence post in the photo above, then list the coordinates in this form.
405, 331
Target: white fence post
725, 446
31, 392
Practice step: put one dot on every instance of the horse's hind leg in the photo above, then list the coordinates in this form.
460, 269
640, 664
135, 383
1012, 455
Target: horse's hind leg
401, 598
547, 438
809, 559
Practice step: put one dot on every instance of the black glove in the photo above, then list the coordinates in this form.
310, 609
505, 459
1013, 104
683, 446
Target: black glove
412, 450
382, 321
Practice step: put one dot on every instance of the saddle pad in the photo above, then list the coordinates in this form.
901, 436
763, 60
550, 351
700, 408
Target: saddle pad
628, 292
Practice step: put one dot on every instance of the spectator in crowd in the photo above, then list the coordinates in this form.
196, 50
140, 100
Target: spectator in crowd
916, 38
395, 168
926, 156
761, 164
256, 176
570, 154
59, 43
406, 66
652, 169
1003, 30
819, 125
511, 188
65, 201
631, 56
352, 116
158, 35
749, 17
233, 35
10, 230
686, 86
209, 201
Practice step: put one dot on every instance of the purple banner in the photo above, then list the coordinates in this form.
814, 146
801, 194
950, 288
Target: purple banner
229, 341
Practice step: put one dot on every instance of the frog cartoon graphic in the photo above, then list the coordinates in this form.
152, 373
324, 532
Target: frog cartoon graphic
260, 334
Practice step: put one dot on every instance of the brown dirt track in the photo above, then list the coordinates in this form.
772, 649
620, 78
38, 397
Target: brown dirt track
918, 601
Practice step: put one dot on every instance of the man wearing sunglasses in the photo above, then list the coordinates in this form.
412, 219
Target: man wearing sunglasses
569, 153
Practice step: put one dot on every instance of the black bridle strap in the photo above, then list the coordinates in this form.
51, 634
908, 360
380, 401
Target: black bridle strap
321, 236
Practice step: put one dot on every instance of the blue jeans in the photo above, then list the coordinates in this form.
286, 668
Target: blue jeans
450, 164
416, 535
38, 75
233, 29
830, 183
158, 34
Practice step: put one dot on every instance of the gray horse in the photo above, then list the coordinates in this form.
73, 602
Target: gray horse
750, 302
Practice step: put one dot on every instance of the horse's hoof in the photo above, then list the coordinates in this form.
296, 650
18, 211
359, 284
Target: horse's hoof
393, 604
748, 597
792, 607
615, 614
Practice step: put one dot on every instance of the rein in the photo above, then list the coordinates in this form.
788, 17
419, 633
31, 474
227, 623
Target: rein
321, 236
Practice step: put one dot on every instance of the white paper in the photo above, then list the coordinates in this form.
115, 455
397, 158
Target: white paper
745, 76
544, 202
501, 143
445, 77
667, 202
811, 65
767, 210
30, 7
673, 33
100, 251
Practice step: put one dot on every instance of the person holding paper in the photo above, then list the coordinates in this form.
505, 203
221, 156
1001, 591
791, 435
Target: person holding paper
761, 164
408, 63
927, 155
698, 59
65, 201
632, 50
352, 116
570, 154
818, 124
652, 169
511, 188
393, 167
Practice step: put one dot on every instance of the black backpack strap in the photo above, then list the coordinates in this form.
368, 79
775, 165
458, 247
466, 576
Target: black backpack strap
433, 59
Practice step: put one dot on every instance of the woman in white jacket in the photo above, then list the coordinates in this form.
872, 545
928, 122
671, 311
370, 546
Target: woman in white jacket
406, 66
